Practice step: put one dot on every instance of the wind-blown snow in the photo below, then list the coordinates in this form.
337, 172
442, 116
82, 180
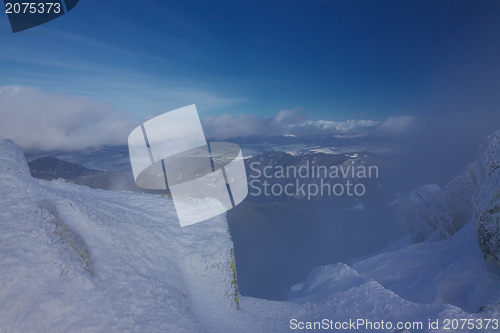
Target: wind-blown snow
73, 259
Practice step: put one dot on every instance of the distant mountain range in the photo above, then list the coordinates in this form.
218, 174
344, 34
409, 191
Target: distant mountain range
50, 168
116, 158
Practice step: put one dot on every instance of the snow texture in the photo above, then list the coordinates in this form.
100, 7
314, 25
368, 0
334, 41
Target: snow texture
82, 260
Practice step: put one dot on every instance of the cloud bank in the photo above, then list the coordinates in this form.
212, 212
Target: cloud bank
293, 122
396, 125
43, 121
36, 120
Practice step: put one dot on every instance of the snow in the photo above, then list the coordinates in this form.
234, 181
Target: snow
74, 259
143, 261
432, 214
451, 271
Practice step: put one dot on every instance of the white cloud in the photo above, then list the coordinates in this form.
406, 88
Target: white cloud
335, 127
227, 126
283, 122
36, 120
396, 125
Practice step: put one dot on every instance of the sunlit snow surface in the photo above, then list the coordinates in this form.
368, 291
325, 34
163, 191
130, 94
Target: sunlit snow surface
150, 275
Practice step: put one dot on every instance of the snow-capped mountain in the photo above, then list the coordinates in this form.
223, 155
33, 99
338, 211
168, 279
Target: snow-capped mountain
75, 259
297, 145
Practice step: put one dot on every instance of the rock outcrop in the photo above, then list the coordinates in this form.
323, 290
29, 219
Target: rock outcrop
486, 199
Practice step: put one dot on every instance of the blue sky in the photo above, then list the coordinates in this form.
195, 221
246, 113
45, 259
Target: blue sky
334, 60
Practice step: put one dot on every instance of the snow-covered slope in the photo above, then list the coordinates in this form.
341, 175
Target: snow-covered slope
82, 260
451, 271
73, 259
434, 273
